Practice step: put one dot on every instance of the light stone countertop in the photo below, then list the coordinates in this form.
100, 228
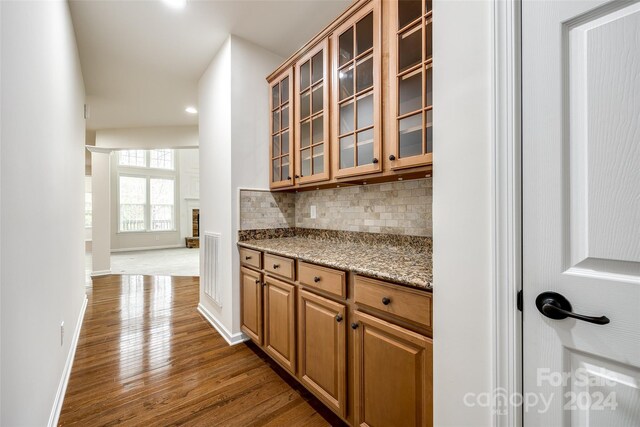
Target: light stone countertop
406, 264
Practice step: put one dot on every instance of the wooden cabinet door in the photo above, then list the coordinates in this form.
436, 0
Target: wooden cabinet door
251, 307
281, 134
394, 381
356, 94
322, 349
279, 322
312, 115
411, 95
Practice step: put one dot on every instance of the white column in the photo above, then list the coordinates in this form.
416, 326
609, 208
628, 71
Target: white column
101, 201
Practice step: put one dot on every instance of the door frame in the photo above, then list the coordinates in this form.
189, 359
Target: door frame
507, 209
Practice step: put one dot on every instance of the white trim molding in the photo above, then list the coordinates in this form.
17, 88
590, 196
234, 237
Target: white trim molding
149, 248
64, 381
507, 215
230, 338
100, 273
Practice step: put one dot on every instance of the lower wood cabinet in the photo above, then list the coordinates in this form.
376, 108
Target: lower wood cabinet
251, 313
323, 349
393, 378
279, 322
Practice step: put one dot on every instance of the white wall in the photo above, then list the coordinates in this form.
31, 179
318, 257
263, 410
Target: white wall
189, 189
462, 207
233, 96
42, 189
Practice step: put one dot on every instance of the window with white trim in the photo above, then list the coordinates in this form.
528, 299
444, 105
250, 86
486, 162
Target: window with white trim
146, 190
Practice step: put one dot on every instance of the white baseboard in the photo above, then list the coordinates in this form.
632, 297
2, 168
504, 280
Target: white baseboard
232, 339
100, 273
62, 387
148, 248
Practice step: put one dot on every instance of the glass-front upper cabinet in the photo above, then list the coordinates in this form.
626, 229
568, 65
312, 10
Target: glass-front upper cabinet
411, 94
355, 103
312, 118
281, 135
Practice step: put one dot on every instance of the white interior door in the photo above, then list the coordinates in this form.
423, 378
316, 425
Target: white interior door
581, 212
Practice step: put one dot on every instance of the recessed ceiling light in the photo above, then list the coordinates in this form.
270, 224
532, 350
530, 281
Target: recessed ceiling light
175, 4
191, 110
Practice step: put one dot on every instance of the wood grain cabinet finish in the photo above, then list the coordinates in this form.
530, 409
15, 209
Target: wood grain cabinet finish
355, 94
251, 258
279, 322
312, 84
322, 349
322, 278
404, 303
280, 266
411, 84
393, 380
281, 135
251, 309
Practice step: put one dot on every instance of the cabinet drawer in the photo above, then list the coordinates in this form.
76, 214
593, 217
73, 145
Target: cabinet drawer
279, 265
411, 305
323, 278
251, 258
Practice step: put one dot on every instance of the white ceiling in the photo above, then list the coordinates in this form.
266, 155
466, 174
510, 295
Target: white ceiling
142, 60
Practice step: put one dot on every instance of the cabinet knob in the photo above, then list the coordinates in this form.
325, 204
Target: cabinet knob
386, 300
264, 284
354, 325
276, 266
392, 157
297, 176
339, 318
257, 281
316, 279
374, 160
288, 178
247, 257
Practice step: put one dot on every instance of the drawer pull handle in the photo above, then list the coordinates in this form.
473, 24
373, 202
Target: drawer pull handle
354, 325
386, 300
257, 281
276, 266
316, 279
247, 257
339, 318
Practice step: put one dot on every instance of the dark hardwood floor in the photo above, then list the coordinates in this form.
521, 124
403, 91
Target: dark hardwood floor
147, 357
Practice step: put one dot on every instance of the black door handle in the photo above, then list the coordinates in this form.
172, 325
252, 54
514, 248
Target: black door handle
555, 306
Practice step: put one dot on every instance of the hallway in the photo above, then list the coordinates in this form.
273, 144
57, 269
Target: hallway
146, 357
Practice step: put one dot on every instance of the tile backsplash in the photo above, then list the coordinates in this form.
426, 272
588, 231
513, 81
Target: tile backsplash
400, 207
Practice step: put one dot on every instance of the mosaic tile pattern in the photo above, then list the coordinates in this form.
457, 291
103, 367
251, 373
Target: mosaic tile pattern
263, 210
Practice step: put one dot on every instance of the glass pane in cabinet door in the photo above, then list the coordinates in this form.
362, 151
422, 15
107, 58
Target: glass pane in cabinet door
364, 34
318, 159
275, 146
305, 74
410, 136
365, 111
428, 6
410, 93
285, 142
346, 82
410, 48
284, 90
316, 67
285, 168
428, 134
285, 117
346, 47
275, 96
364, 74
428, 90
306, 162
276, 121
318, 130
316, 99
305, 107
346, 152
305, 134
428, 40
346, 118
276, 170
408, 11
365, 147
